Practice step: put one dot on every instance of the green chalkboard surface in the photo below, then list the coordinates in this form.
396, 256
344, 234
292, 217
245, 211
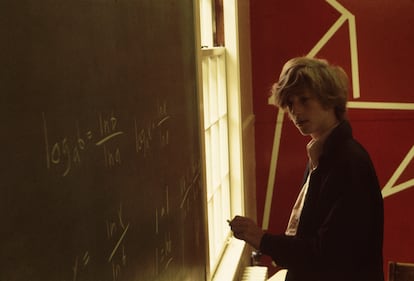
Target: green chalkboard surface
100, 167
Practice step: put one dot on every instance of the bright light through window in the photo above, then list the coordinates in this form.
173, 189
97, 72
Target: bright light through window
222, 126
216, 150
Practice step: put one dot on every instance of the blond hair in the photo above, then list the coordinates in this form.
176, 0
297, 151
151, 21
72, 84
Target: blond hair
329, 83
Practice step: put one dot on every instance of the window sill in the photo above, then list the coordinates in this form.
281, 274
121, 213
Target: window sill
230, 262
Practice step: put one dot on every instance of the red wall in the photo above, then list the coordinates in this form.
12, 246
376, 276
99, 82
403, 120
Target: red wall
385, 45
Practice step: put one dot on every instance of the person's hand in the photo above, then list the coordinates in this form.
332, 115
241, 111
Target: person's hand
246, 229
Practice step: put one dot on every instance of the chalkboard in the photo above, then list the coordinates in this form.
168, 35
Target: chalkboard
100, 163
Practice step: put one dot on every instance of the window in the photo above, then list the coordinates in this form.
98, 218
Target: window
216, 150
215, 131
219, 77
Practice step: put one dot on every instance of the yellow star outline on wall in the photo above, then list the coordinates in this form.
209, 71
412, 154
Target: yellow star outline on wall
389, 188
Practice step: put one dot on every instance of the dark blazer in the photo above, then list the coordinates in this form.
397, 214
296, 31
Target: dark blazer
340, 233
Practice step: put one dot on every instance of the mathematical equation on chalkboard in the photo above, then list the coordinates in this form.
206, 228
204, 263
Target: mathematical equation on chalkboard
165, 251
116, 231
67, 152
189, 193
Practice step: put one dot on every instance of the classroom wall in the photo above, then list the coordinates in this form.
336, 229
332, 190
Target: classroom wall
376, 52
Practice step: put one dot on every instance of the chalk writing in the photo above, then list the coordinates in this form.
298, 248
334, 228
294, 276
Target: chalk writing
188, 190
145, 136
82, 141
163, 117
116, 231
108, 128
68, 152
62, 152
188, 186
163, 251
79, 266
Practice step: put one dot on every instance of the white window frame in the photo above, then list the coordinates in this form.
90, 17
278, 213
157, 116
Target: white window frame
216, 150
224, 264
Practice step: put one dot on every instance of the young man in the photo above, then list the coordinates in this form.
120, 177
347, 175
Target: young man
335, 231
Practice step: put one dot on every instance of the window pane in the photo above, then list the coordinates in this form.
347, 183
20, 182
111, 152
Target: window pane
209, 163
206, 22
206, 91
213, 89
224, 147
221, 85
215, 155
